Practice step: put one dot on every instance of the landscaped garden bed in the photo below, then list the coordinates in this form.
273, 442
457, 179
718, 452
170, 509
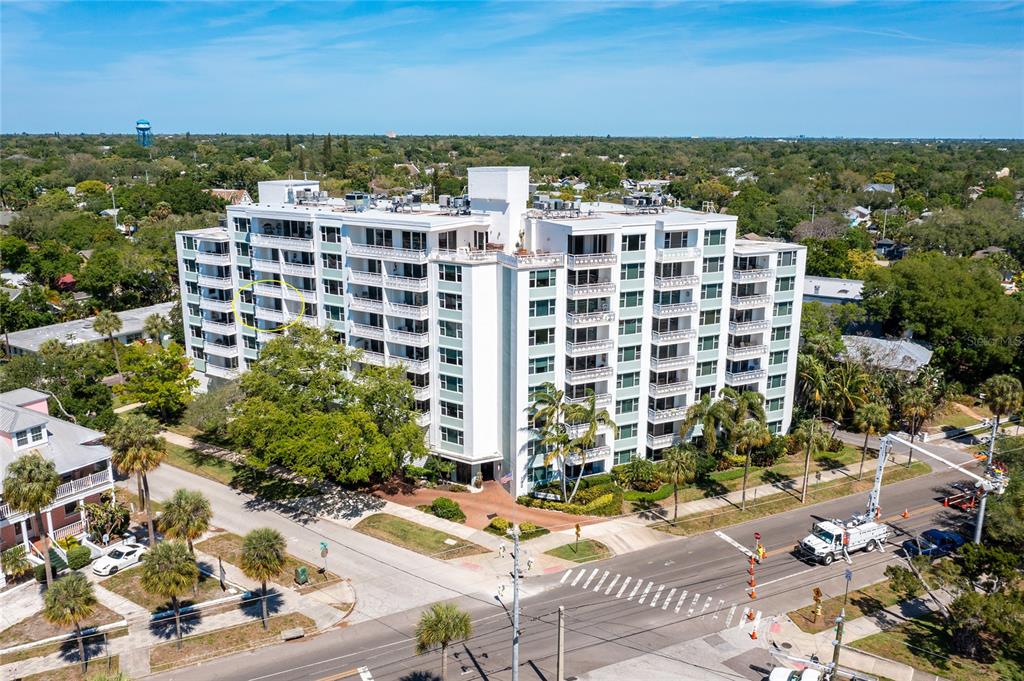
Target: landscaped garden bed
499, 528
128, 583
409, 535
583, 551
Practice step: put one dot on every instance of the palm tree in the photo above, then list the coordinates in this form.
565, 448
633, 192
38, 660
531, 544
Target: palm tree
30, 485
137, 449
916, 405
748, 435
186, 516
548, 412
1004, 395
708, 413
680, 463
441, 624
156, 327
263, 556
69, 601
847, 389
108, 323
814, 386
594, 419
169, 571
872, 418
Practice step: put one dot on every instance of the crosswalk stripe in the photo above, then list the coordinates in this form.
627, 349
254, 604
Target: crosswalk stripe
647, 590
732, 611
579, 577
668, 600
635, 588
591, 577
654, 601
693, 603
706, 604
601, 581
743, 618
625, 583
757, 619
612, 585
682, 597
718, 610
565, 576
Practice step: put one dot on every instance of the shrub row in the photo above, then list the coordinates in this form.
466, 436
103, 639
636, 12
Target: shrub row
603, 501
663, 492
499, 526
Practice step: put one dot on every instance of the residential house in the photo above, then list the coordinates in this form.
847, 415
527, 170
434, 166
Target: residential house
233, 197
28, 341
884, 187
901, 354
832, 291
858, 215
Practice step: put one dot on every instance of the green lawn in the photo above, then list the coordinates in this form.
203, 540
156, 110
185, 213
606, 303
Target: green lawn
950, 417
36, 628
228, 547
861, 602
589, 550
924, 644
129, 584
425, 540
245, 478
99, 667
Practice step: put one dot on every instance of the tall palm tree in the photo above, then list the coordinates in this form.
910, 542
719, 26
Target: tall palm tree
156, 327
711, 415
108, 323
263, 556
137, 449
872, 418
916, 405
594, 419
169, 571
1004, 395
680, 463
547, 408
847, 389
748, 435
30, 485
814, 386
441, 624
186, 516
67, 602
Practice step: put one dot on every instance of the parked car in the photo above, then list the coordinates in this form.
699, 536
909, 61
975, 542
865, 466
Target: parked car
933, 543
118, 558
783, 674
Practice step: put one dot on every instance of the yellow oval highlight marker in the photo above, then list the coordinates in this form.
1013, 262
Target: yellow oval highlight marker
234, 304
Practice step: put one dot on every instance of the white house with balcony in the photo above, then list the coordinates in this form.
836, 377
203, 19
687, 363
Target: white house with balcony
81, 459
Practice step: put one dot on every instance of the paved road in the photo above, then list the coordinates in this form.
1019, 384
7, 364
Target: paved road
618, 609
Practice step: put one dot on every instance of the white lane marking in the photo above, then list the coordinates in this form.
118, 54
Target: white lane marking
757, 620
612, 585
601, 581
646, 591
565, 576
743, 618
723, 536
760, 584
654, 601
682, 597
635, 588
706, 604
668, 600
718, 610
732, 611
624, 585
696, 597
578, 577
591, 577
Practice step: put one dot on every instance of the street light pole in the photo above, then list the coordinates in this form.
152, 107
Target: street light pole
838, 643
984, 495
514, 531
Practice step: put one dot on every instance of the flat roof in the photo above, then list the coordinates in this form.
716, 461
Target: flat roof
894, 354
830, 287
81, 331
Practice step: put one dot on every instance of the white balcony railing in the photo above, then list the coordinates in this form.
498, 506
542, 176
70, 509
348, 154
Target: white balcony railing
368, 278
215, 305
745, 351
744, 376
592, 454
666, 363
752, 275
214, 282
366, 304
590, 259
376, 358
751, 301
73, 530
298, 269
220, 350
288, 243
665, 415
673, 309
221, 372
419, 340
589, 318
421, 393
416, 366
81, 488
595, 289
407, 311
662, 441
665, 337
676, 254
272, 315
527, 260
582, 375
263, 265
603, 399
747, 327
213, 258
219, 327
266, 336
676, 282
367, 331
416, 284
588, 347
423, 419
388, 253
665, 389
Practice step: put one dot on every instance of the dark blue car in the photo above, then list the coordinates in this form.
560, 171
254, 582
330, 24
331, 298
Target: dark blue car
933, 543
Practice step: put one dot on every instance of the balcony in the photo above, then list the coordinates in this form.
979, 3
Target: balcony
219, 327
676, 254
585, 290
407, 311
272, 315
673, 309
220, 350
66, 492
752, 275
266, 336
589, 318
667, 363
748, 327
388, 253
751, 301
288, 243
735, 377
662, 441
416, 366
420, 393
215, 305
668, 283
415, 284
369, 278
739, 352
285, 291
588, 348
591, 454
298, 269
418, 340
666, 415
466, 255
221, 372
367, 331
375, 358
262, 265
667, 337
591, 259
530, 260
423, 419
603, 400
583, 375
366, 304
667, 389
214, 282
204, 258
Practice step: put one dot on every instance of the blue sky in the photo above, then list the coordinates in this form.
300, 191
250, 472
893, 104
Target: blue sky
899, 69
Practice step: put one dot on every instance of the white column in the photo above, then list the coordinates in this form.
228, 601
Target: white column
49, 525
24, 535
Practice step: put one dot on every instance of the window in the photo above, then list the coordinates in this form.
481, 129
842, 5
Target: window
776, 381
242, 249
627, 406
542, 365
780, 333
628, 379
775, 427
71, 509
334, 287
627, 431
450, 301
631, 299
623, 456
542, 336
245, 273
707, 368
197, 331
241, 224
452, 435
188, 243
787, 258
708, 390
634, 242
629, 352
192, 288
714, 237
330, 233
710, 291
779, 357
542, 278
783, 309
712, 265
334, 312
452, 409
707, 343
450, 356
449, 272
630, 326
448, 241
332, 261
775, 404
632, 271
785, 283
449, 329
380, 237
450, 383
542, 308
193, 310
539, 475
710, 317
22, 438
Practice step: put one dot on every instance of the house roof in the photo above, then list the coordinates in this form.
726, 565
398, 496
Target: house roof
232, 196
81, 331
894, 354
887, 187
830, 287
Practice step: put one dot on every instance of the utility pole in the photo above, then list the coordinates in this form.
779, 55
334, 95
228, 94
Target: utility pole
838, 643
514, 531
984, 494
560, 664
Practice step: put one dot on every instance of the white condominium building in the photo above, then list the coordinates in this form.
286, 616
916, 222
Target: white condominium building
484, 299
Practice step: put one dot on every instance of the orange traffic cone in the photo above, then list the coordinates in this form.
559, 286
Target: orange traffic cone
906, 513
750, 570
750, 615
753, 634
945, 502
753, 592
752, 582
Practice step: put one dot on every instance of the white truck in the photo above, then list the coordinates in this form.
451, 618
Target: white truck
832, 539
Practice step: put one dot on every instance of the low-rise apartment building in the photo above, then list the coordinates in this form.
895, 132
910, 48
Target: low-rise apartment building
484, 298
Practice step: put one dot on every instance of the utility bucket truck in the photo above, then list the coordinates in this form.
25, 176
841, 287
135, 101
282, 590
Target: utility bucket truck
832, 539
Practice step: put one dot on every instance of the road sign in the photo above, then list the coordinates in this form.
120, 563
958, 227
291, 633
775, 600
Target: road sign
849, 575
817, 594
578, 530
323, 549
757, 536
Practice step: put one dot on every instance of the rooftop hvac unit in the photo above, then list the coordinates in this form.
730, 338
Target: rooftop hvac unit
444, 200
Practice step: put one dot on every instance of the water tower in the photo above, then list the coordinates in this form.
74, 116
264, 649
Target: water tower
143, 133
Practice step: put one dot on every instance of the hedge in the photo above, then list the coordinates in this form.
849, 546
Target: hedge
607, 502
499, 526
663, 492
79, 556
446, 508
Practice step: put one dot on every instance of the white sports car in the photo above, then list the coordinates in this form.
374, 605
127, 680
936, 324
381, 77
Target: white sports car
118, 558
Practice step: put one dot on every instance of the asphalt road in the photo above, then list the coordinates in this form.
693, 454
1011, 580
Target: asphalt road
617, 609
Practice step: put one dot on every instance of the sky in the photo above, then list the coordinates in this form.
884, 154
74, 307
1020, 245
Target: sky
850, 69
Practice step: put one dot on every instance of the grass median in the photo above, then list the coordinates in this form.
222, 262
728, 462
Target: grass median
129, 584
228, 547
588, 550
418, 538
100, 667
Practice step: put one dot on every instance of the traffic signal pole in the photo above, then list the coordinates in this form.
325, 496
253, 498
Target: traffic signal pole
984, 497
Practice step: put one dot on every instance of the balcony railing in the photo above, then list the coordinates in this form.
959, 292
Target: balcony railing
603, 399
366, 304
665, 389
751, 301
673, 309
423, 419
533, 259
416, 284
408, 311
590, 259
591, 454
421, 393
286, 291
595, 289
665, 415
219, 327
82, 487
745, 351
214, 282
662, 441
220, 349
298, 269
419, 340
589, 318
676, 254
582, 375
204, 258
367, 331
221, 372
747, 327
215, 305
676, 282
416, 366
263, 265
369, 278
388, 253
272, 315
376, 358
266, 336
665, 337
744, 376
763, 274
288, 243
666, 363
588, 347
